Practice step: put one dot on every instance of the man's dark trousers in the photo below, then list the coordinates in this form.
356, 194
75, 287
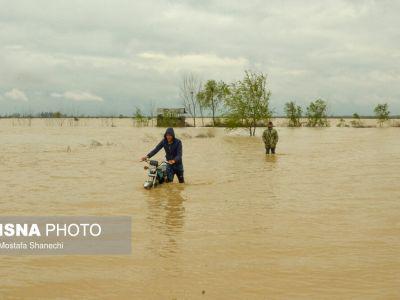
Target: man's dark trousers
267, 150
175, 169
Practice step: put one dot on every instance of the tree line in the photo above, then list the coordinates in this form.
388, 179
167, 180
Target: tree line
245, 103
316, 114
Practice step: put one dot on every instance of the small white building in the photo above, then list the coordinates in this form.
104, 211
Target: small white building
171, 117
173, 112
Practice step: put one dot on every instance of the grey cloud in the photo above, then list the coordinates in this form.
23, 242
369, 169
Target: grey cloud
130, 53
16, 94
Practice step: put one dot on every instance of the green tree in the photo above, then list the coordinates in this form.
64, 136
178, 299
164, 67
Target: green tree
317, 114
357, 120
212, 95
248, 102
293, 113
140, 119
58, 114
382, 113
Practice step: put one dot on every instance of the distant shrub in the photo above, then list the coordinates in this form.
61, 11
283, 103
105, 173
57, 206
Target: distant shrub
317, 114
342, 123
356, 122
396, 124
208, 134
293, 114
140, 119
186, 135
382, 113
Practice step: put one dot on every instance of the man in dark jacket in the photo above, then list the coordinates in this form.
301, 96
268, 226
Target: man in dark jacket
173, 154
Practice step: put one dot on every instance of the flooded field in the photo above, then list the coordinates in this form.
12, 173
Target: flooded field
319, 220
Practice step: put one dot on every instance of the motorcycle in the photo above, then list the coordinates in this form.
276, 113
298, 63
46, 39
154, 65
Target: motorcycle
156, 172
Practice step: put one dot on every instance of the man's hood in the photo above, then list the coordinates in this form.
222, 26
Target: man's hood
170, 131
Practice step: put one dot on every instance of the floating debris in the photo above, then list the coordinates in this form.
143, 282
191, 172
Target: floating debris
95, 143
186, 135
208, 134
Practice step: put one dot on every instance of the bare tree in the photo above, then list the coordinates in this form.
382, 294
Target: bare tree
152, 111
190, 87
201, 104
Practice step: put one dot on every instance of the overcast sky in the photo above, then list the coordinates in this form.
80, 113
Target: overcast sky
107, 57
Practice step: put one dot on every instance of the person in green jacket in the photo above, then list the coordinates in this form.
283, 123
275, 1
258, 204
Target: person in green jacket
270, 138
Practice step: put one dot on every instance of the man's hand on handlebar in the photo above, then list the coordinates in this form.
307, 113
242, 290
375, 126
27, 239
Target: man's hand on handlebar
145, 158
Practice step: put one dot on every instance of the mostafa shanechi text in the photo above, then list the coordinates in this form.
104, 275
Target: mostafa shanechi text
65, 235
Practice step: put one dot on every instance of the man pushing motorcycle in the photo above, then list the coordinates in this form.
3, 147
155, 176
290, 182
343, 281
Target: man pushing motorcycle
173, 155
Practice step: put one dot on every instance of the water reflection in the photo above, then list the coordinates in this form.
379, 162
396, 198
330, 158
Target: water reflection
166, 215
271, 162
257, 223
271, 158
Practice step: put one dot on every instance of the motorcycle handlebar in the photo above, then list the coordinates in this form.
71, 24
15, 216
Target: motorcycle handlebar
148, 160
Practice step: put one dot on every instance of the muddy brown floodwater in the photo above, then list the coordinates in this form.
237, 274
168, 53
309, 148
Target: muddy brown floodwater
319, 220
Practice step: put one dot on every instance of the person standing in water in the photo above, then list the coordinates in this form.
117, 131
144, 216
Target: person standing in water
270, 138
173, 154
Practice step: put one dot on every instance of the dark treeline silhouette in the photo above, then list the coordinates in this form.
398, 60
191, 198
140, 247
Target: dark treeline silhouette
58, 114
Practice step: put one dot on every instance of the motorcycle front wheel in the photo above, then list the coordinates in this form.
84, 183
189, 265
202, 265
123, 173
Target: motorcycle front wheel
148, 185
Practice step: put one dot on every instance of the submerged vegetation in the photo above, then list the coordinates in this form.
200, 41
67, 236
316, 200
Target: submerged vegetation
247, 102
212, 97
293, 114
382, 113
140, 119
356, 122
342, 123
317, 114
